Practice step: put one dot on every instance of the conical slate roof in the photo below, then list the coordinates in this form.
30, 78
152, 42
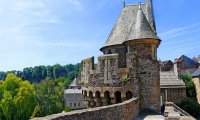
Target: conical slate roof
127, 23
74, 83
150, 15
141, 28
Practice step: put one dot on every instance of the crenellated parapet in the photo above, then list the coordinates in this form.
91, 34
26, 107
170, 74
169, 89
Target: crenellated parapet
106, 83
106, 74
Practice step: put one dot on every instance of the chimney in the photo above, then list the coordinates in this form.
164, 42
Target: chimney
175, 69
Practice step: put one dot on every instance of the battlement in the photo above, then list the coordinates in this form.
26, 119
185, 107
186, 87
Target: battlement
106, 73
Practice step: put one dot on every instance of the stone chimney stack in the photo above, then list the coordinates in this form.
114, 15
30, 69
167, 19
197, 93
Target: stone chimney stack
175, 68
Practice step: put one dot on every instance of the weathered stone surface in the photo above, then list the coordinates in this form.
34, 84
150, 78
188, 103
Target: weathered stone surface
127, 110
197, 87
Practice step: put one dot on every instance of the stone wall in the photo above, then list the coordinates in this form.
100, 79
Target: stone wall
87, 66
197, 87
127, 110
149, 84
120, 50
106, 74
147, 73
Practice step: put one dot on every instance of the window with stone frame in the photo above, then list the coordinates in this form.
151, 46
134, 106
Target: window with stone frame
130, 49
70, 104
154, 52
79, 104
74, 104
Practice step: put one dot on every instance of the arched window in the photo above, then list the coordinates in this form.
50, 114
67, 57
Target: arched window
85, 94
118, 98
97, 95
98, 99
90, 94
129, 95
107, 97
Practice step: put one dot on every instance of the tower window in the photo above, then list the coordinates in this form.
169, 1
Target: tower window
108, 52
154, 52
130, 49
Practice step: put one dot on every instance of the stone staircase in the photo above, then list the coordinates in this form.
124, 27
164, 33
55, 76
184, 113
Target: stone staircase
173, 112
147, 114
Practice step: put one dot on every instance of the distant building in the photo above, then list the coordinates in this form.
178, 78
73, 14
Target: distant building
172, 89
73, 96
184, 63
197, 59
166, 65
75, 84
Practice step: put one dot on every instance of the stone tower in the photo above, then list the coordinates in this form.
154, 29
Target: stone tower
129, 66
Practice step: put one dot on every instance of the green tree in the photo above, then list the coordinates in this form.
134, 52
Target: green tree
71, 75
50, 72
56, 71
190, 87
49, 97
25, 101
8, 105
2, 75
27, 74
63, 82
191, 106
18, 98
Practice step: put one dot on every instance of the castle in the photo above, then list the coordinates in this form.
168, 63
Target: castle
128, 67
126, 81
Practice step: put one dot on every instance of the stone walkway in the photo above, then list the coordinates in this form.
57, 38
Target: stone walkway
150, 117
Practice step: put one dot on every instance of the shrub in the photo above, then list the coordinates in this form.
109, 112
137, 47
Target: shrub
190, 106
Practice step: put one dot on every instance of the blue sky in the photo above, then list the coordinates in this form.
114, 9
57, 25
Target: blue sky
46, 32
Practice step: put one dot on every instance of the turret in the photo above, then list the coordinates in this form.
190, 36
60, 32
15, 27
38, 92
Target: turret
142, 38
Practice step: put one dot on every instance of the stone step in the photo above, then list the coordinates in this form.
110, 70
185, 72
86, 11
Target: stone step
150, 117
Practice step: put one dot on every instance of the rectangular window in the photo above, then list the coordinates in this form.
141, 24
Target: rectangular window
79, 104
130, 49
74, 104
70, 104
154, 52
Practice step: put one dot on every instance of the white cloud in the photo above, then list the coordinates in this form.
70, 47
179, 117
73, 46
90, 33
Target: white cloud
178, 32
185, 50
76, 3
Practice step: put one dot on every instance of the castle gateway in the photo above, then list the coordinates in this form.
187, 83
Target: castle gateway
128, 67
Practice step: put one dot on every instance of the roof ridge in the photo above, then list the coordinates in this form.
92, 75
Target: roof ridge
136, 4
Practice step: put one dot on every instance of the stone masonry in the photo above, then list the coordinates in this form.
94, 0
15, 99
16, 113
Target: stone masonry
123, 111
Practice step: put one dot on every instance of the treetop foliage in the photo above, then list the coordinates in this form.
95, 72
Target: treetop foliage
38, 73
17, 98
